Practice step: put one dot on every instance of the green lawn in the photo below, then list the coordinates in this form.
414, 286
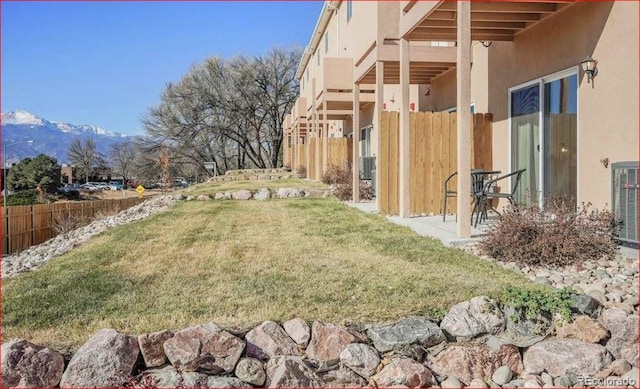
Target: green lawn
239, 263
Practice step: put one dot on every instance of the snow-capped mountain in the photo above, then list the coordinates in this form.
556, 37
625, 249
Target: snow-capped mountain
49, 137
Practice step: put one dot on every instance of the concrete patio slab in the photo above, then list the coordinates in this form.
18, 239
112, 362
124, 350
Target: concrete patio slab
428, 226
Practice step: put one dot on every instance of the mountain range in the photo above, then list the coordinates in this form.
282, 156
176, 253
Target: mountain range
49, 137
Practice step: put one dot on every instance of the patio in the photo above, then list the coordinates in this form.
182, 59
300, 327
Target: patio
430, 226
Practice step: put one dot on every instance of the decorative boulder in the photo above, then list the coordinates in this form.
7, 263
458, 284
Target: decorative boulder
169, 377
412, 330
470, 361
328, 341
252, 371
566, 356
152, 347
28, 365
583, 328
269, 340
204, 347
469, 319
106, 361
291, 372
298, 330
404, 371
361, 358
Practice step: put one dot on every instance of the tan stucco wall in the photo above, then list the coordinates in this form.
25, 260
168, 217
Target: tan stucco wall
607, 112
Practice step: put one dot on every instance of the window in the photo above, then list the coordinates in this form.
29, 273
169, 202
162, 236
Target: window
326, 42
365, 141
349, 10
544, 132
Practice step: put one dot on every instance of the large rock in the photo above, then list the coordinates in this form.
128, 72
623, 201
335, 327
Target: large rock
242, 195
285, 193
469, 319
361, 358
585, 305
566, 356
298, 330
469, 361
328, 341
520, 327
291, 372
620, 325
28, 365
623, 349
404, 371
583, 328
169, 377
262, 194
412, 330
269, 340
203, 198
105, 361
152, 347
252, 371
205, 347
341, 378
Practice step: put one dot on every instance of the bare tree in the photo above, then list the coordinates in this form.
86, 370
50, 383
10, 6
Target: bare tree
227, 111
85, 156
122, 156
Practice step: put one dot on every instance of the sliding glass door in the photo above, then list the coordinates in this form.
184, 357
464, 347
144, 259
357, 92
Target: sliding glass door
544, 119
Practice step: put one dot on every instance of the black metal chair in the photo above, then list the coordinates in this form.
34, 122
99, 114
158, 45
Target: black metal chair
476, 189
487, 193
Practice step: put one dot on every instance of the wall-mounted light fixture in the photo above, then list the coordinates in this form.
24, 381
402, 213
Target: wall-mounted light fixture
486, 43
589, 66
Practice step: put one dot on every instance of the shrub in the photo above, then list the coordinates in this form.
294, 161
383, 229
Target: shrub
23, 197
301, 171
529, 303
341, 182
560, 234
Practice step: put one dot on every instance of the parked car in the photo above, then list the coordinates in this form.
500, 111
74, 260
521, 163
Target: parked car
90, 186
133, 184
115, 185
180, 184
69, 188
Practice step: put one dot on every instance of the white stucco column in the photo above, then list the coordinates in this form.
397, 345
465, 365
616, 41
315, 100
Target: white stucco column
376, 121
307, 138
356, 143
463, 74
403, 144
318, 171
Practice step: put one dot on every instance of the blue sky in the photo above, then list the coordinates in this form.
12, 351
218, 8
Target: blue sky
106, 63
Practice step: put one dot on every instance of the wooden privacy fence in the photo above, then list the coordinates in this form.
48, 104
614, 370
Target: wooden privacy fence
432, 158
340, 152
28, 225
311, 169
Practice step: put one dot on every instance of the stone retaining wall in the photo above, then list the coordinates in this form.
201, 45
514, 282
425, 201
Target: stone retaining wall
477, 344
263, 194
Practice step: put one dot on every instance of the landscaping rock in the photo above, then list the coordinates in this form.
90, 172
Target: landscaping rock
222, 196
204, 347
28, 365
469, 319
341, 378
105, 360
251, 371
619, 367
169, 377
205, 197
316, 193
285, 193
632, 377
190, 198
404, 371
620, 325
622, 349
291, 372
477, 383
583, 328
565, 381
152, 347
565, 356
298, 330
262, 194
520, 327
361, 358
451, 382
412, 330
328, 341
269, 340
242, 195
502, 375
469, 361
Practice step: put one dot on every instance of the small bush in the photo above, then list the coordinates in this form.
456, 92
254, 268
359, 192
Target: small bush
301, 171
341, 183
529, 304
561, 234
23, 197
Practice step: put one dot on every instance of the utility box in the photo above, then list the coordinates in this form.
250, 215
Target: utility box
624, 202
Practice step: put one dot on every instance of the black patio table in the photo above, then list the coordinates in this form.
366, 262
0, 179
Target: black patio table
478, 178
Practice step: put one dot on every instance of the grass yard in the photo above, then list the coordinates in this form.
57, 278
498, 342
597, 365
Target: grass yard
239, 263
211, 188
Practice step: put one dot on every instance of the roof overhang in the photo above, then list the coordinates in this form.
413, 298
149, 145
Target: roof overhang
321, 26
490, 21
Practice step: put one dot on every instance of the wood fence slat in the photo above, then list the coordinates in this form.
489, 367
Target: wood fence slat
413, 164
453, 163
394, 133
428, 160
